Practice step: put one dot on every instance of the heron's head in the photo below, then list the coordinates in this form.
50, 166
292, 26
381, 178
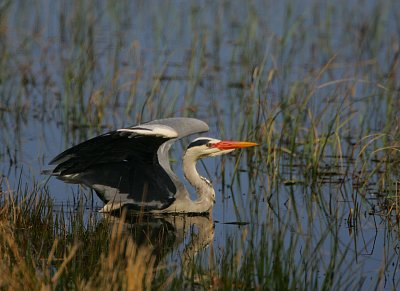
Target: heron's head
210, 147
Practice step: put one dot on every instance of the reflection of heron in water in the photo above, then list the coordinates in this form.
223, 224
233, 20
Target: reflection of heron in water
129, 167
167, 233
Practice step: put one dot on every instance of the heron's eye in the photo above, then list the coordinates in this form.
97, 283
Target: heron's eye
209, 145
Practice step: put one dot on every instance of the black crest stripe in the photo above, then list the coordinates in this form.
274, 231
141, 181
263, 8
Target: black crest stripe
199, 142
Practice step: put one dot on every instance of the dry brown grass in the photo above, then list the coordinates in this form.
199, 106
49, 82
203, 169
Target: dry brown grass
123, 266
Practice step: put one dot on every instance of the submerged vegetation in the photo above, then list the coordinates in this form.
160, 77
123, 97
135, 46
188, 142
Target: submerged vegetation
316, 206
46, 247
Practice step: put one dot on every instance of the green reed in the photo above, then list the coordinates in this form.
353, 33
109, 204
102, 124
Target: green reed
316, 86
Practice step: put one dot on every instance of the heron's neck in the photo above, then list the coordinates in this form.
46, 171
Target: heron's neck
204, 189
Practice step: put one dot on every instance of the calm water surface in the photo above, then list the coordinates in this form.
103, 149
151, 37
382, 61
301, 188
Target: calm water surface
72, 70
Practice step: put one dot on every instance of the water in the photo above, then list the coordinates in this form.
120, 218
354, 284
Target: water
263, 71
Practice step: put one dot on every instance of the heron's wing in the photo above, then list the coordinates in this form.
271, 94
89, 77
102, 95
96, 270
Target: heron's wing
127, 165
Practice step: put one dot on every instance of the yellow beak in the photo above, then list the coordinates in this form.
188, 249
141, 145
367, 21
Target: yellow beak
229, 145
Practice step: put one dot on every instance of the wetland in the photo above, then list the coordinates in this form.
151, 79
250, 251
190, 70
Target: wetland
316, 83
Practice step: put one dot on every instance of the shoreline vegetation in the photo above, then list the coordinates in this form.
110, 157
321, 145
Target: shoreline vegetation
315, 206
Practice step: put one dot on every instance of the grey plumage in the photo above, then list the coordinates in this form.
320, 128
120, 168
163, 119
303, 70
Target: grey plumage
130, 166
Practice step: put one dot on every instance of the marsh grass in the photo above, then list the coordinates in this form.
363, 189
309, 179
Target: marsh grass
316, 86
45, 248
42, 248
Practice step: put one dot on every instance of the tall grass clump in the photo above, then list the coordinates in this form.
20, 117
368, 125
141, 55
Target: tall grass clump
45, 248
38, 251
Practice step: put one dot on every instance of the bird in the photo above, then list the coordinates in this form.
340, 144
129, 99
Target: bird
130, 168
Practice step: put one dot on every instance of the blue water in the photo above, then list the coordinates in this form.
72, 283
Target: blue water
153, 59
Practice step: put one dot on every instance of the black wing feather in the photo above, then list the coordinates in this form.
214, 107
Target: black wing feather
121, 161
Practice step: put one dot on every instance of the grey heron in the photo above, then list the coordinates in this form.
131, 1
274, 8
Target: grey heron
129, 167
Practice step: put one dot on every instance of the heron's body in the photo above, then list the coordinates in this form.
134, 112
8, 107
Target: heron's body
130, 167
